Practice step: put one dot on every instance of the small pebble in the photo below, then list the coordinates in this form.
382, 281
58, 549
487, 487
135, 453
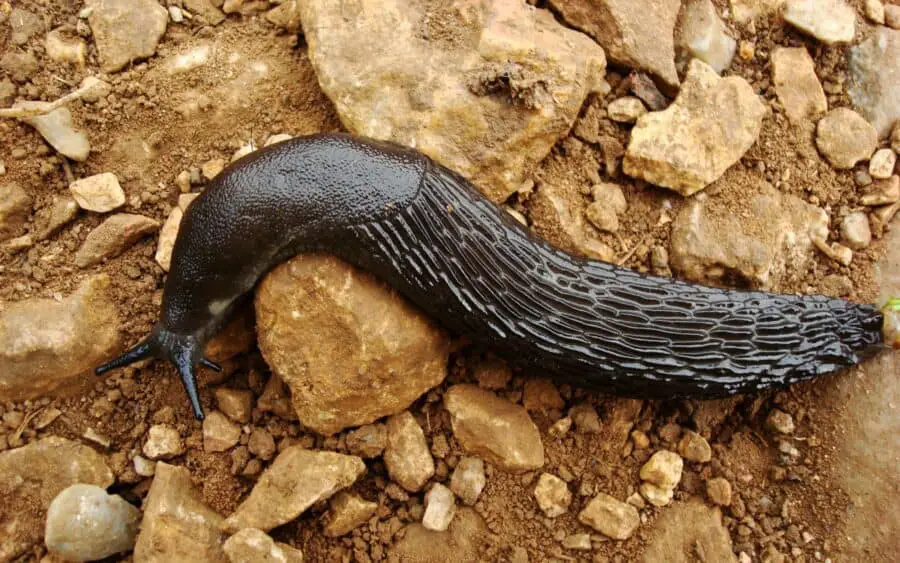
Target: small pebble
626, 109
694, 447
85, 523
163, 442
780, 422
578, 541
663, 469
882, 164
552, 495
143, 466
261, 444
236, 404
100, 193
468, 480
219, 433
440, 508
718, 490
855, 231
657, 496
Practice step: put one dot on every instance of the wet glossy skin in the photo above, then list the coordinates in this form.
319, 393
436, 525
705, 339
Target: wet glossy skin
433, 237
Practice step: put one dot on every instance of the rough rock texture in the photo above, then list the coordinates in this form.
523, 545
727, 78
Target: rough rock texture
252, 545
610, 517
882, 164
688, 531
219, 433
440, 508
694, 447
236, 404
829, 21
468, 480
845, 138
177, 526
31, 477
718, 490
493, 428
163, 442
634, 34
710, 243
100, 192
855, 231
113, 237
348, 512
58, 129
464, 541
487, 93
297, 479
875, 79
49, 347
367, 441
563, 223
167, 236
407, 456
552, 495
704, 36
663, 469
745, 11
796, 84
85, 523
708, 127
15, 207
126, 30
351, 349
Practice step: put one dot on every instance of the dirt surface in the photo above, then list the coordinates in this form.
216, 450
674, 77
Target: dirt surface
833, 502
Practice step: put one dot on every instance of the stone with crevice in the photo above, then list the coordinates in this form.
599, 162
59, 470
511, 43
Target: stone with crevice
796, 84
703, 35
407, 456
126, 30
874, 68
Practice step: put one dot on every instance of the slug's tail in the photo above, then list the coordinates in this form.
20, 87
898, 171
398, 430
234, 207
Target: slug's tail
184, 352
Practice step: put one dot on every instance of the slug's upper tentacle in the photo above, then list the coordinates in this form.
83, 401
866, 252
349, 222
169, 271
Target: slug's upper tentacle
428, 233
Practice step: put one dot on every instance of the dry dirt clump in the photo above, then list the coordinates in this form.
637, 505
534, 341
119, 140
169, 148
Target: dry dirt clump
798, 475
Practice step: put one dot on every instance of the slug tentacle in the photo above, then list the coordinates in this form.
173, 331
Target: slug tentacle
146, 348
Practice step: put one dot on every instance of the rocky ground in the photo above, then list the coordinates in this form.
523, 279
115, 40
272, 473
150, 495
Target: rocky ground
744, 143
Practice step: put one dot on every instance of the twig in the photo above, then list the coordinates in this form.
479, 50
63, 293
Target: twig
633, 249
24, 113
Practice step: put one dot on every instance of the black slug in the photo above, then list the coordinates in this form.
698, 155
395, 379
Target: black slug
432, 236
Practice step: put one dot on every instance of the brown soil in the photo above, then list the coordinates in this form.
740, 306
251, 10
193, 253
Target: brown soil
139, 134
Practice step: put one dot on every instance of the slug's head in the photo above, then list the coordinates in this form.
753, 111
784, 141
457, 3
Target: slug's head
184, 351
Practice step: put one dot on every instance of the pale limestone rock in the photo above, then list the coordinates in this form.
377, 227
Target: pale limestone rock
494, 429
85, 523
626, 109
219, 433
261, 443
637, 35
58, 129
126, 30
23, 24
236, 404
252, 545
351, 349
685, 530
484, 88
62, 212
32, 476
15, 208
709, 242
143, 466
468, 480
663, 469
874, 11
718, 490
552, 495
882, 164
602, 217
63, 46
100, 193
780, 422
560, 219
855, 231
177, 526
875, 79
694, 447
829, 21
407, 457
167, 236
704, 36
163, 442
845, 138
206, 10
297, 479
657, 496
610, 517
892, 16
114, 236
49, 347
367, 441
286, 15
745, 11
708, 127
440, 508
348, 512
796, 84
883, 192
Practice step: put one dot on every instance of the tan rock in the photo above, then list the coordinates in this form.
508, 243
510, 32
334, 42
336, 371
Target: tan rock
874, 11
15, 208
163, 442
685, 530
635, 35
236, 404
57, 128
495, 429
126, 30
100, 193
62, 45
855, 231
558, 217
719, 491
177, 526
796, 84
882, 164
468, 480
703, 35
745, 11
407, 457
489, 104
552, 495
367, 441
286, 15
207, 11
348, 512
541, 395
845, 138
351, 349
48, 347
610, 517
261, 443
219, 433
493, 373
829, 21
113, 237
63, 210
167, 236
694, 447
875, 79
465, 540
297, 479
883, 192
710, 242
440, 508
663, 469
657, 496
892, 16
85, 523
33, 476
709, 127
252, 545
626, 109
